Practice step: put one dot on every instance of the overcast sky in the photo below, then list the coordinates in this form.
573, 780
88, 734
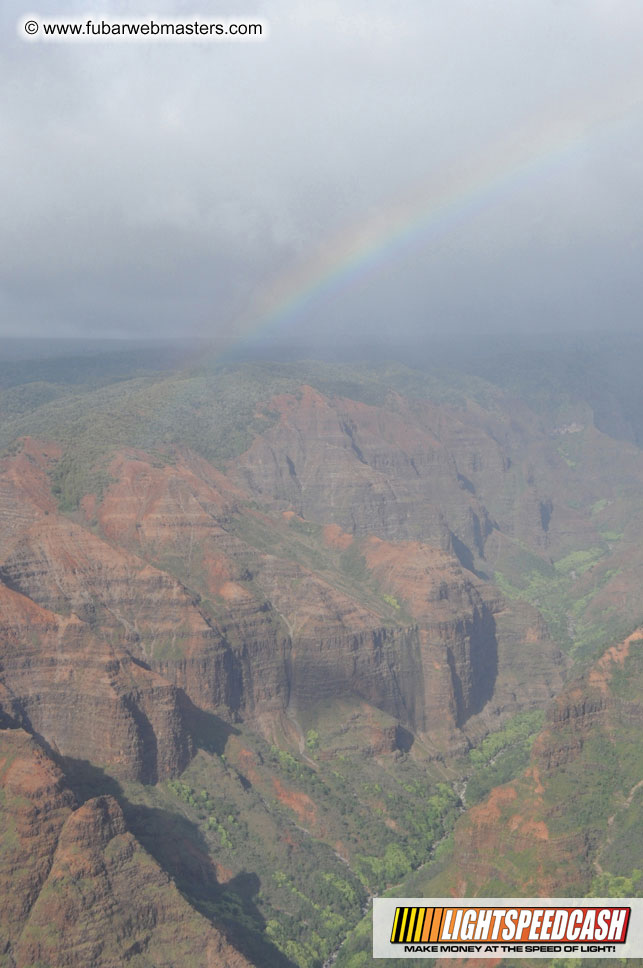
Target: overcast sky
371, 167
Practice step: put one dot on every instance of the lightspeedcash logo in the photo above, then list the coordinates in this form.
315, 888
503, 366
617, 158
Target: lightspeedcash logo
493, 927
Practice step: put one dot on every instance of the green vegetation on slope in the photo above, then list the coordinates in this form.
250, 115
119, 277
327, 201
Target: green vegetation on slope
280, 854
502, 755
563, 599
298, 848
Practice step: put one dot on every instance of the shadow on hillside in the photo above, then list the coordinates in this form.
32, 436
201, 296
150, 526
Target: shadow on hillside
86, 780
465, 557
176, 843
404, 739
472, 697
209, 732
239, 924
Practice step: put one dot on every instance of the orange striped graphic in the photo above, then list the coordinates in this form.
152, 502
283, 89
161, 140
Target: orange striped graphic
454, 925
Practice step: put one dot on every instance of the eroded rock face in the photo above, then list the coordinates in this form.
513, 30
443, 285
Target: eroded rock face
78, 889
183, 583
457, 633
85, 698
345, 557
367, 469
35, 806
550, 831
288, 636
25, 489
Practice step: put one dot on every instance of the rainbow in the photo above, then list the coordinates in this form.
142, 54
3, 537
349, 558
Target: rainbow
431, 209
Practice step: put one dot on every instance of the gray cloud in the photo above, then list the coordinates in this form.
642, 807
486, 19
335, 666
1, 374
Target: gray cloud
167, 188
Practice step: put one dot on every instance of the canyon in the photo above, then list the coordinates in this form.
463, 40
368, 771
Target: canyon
254, 621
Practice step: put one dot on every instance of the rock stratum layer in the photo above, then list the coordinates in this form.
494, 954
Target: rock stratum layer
250, 615
172, 595
565, 827
379, 584
77, 887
